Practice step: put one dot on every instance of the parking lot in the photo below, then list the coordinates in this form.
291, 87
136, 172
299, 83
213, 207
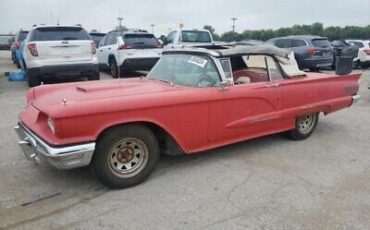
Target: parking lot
266, 183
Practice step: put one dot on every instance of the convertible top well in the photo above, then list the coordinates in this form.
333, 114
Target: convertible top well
235, 50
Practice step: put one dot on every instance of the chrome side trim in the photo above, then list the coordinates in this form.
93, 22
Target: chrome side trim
63, 158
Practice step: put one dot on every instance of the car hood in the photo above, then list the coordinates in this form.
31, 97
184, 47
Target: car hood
48, 98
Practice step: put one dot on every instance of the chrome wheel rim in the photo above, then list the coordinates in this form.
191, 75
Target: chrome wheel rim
306, 123
128, 157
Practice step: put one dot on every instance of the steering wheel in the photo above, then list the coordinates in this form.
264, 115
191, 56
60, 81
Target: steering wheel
206, 80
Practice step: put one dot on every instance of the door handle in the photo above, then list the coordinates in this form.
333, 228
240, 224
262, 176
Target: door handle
272, 86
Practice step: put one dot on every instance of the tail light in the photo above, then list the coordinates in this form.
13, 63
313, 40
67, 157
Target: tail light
93, 48
123, 47
33, 49
159, 46
312, 51
17, 45
367, 51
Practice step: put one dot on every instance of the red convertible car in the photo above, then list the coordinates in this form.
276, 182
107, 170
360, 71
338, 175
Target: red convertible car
194, 99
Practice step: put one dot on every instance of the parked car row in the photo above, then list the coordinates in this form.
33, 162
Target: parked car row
69, 51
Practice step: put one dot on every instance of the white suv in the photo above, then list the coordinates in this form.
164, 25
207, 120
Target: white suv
128, 50
59, 52
363, 51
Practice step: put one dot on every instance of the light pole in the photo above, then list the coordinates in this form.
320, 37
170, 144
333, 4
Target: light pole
152, 25
120, 22
234, 19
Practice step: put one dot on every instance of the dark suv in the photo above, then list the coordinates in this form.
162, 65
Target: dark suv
96, 37
19, 38
311, 52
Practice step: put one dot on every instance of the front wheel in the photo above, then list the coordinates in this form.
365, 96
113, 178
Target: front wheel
113, 68
125, 156
304, 126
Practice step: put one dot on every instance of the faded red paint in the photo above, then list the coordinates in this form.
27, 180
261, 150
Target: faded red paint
197, 118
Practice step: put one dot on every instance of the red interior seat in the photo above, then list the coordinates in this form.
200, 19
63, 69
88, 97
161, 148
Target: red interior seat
255, 77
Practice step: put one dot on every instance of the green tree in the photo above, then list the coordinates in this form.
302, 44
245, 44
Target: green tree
317, 28
212, 31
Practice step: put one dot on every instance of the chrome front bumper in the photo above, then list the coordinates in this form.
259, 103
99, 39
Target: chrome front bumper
69, 157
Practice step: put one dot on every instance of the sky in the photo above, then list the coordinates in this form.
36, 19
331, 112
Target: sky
165, 15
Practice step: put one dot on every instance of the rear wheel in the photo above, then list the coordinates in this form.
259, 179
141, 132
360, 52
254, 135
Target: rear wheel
13, 58
356, 64
94, 76
125, 156
113, 68
33, 80
304, 126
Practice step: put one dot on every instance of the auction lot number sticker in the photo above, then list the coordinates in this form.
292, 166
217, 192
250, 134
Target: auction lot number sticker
199, 61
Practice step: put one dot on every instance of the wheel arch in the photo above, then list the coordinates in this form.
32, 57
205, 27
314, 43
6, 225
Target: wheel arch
168, 143
110, 58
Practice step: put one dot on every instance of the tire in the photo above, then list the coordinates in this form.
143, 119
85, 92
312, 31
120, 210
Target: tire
313, 69
115, 163
113, 68
33, 80
13, 58
363, 65
94, 77
356, 64
304, 126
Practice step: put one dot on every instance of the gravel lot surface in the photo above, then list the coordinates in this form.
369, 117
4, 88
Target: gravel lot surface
266, 183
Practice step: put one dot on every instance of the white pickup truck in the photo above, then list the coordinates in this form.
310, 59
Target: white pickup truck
189, 38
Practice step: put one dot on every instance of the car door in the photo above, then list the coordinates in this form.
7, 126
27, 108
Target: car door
244, 111
103, 51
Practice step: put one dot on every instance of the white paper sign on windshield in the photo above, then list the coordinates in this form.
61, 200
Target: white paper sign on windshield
199, 61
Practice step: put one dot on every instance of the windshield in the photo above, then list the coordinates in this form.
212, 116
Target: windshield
195, 36
59, 33
186, 70
141, 41
22, 35
97, 38
321, 43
